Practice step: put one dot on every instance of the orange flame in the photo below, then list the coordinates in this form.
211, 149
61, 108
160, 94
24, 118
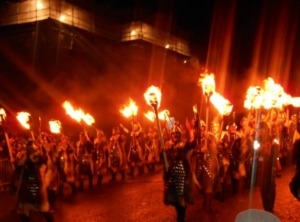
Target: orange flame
163, 115
2, 114
130, 110
78, 114
55, 126
23, 118
223, 105
207, 81
254, 97
153, 96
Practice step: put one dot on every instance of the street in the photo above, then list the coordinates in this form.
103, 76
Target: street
140, 199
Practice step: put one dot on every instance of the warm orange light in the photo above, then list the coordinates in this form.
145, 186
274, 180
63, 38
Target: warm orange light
163, 115
78, 114
223, 105
23, 118
130, 110
55, 126
2, 114
153, 96
207, 81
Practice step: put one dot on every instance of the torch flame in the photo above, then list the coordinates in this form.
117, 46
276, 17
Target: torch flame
55, 126
2, 115
153, 96
130, 110
23, 118
78, 114
163, 115
207, 82
223, 105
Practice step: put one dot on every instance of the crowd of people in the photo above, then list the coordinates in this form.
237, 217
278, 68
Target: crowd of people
199, 156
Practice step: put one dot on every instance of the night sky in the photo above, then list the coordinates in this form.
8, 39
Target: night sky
241, 41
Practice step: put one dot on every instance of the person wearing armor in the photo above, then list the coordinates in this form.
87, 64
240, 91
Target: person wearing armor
116, 154
236, 169
178, 179
136, 156
268, 152
85, 151
32, 191
152, 154
101, 149
51, 177
206, 165
67, 162
223, 160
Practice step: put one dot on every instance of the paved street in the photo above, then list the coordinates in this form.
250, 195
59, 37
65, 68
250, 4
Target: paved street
140, 199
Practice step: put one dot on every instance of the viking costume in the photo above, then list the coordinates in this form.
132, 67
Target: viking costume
85, 150
116, 154
101, 149
178, 179
151, 149
32, 193
136, 156
206, 165
268, 153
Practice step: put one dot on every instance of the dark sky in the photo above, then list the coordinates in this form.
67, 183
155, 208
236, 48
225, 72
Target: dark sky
241, 41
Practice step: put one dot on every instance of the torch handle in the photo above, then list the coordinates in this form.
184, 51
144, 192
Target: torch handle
161, 140
9, 149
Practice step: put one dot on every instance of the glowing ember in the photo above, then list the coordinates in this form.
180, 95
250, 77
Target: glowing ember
55, 126
78, 114
130, 110
207, 82
24, 118
150, 116
153, 96
223, 105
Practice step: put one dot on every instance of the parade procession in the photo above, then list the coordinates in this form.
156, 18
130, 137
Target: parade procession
217, 156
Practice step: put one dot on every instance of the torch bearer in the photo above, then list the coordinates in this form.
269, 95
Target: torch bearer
2, 118
208, 88
153, 97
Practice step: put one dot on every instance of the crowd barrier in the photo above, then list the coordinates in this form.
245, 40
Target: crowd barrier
5, 174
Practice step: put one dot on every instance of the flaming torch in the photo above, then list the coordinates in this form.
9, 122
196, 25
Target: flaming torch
2, 122
24, 119
153, 98
55, 126
208, 87
130, 111
78, 115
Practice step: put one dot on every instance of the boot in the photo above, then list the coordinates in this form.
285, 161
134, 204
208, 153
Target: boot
81, 187
123, 176
131, 171
208, 197
73, 187
141, 171
99, 180
48, 216
90, 182
24, 218
113, 177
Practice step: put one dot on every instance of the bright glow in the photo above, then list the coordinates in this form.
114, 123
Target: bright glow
55, 126
62, 18
130, 110
153, 96
133, 32
223, 105
23, 118
78, 114
2, 114
256, 145
167, 46
207, 81
39, 5
163, 115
